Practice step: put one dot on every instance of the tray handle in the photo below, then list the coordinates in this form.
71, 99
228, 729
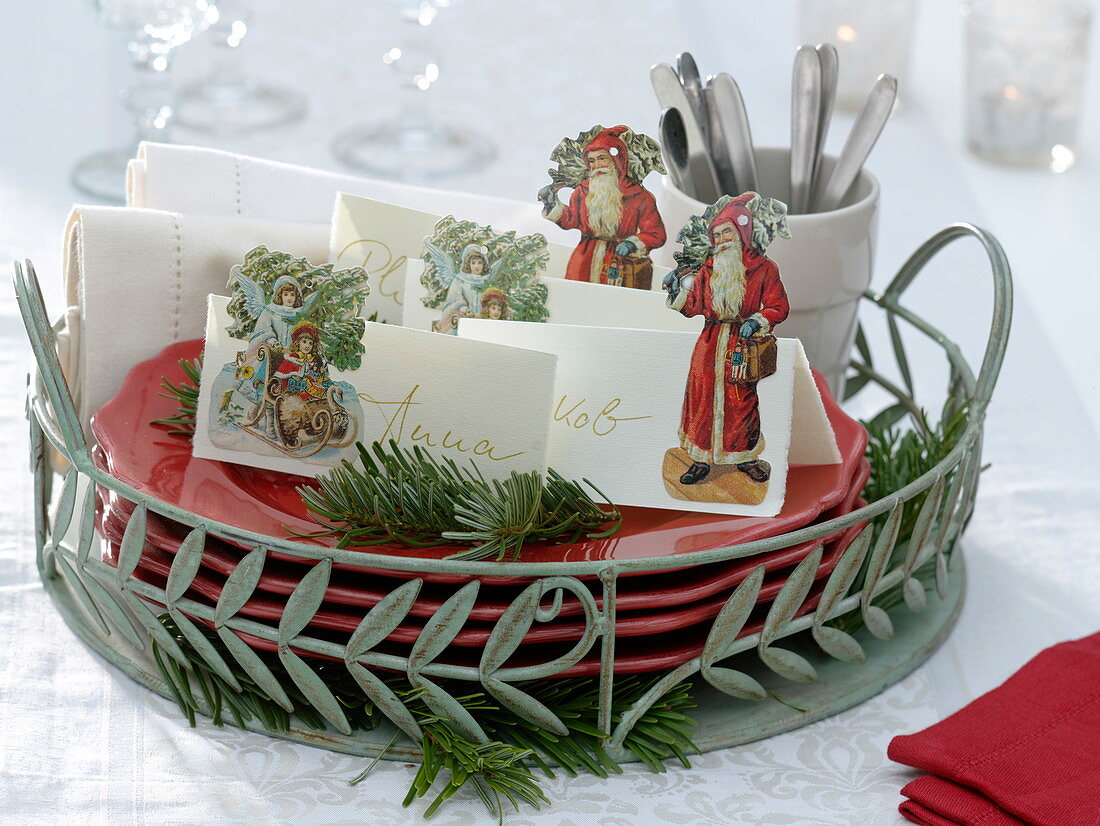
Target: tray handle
28, 295
997, 342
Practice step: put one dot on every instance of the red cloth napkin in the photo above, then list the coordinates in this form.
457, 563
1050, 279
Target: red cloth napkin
1027, 752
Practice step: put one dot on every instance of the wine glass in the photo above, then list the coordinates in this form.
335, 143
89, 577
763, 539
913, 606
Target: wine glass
227, 100
152, 28
415, 145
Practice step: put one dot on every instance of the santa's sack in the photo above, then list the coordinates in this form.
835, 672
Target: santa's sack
753, 359
633, 272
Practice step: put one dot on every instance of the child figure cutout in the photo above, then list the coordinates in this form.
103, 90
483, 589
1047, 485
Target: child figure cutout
724, 275
472, 271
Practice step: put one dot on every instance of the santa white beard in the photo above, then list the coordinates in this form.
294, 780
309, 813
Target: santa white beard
727, 281
605, 203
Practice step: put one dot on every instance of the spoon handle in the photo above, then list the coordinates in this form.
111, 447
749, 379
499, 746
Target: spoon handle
734, 120
861, 140
805, 113
830, 68
700, 168
692, 82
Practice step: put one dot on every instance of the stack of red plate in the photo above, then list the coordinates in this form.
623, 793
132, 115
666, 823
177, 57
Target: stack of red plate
662, 616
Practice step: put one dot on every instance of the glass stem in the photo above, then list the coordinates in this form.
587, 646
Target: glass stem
152, 97
417, 71
229, 32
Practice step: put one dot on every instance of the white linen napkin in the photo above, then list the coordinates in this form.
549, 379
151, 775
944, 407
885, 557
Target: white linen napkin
192, 179
136, 280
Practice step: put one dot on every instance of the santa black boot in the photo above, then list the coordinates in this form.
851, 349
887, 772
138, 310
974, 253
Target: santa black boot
758, 471
696, 473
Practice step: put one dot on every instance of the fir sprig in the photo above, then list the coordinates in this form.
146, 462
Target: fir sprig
186, 394
498, 771
408, 496
898, 457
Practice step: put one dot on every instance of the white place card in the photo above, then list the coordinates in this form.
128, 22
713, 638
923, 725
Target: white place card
569, 302
456, 398
617, 413
382, 237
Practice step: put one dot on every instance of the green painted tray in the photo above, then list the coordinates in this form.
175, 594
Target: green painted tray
816, 668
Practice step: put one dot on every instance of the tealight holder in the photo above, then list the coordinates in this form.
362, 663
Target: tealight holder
871, 37
1025, 74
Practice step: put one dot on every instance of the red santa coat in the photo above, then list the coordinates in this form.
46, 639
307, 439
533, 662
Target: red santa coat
720, 421
640, 222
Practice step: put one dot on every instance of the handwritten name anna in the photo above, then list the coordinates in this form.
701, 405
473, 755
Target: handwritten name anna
400, 427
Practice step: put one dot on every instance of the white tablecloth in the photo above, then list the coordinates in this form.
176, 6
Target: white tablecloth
79, 742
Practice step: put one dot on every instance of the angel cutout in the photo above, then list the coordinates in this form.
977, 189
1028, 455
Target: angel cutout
276, 318
296, 319
464, 284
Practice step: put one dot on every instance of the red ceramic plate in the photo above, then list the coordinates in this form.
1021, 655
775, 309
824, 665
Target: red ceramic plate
356, 588
146, 457
342, 621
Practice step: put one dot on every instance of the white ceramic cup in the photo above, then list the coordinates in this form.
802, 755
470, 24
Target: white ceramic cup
825, 266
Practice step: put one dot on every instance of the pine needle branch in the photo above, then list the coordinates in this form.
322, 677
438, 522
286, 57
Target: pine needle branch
500, 771
897, 458
186, 394
408, 496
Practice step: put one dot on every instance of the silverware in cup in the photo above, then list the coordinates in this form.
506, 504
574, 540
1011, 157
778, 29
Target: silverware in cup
861, 140
805, 118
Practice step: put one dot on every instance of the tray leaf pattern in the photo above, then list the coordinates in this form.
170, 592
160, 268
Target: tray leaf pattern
443, 626
201, 644
878, 623
791, 597
112, 609
922, 529
723, 634
239, 586
449, 708
834, 642
382, 619
942, 530
81, 592
386, 701
899, 353
86, 534
157, 631
506, 637
438, 633
133, 543
524, 705
304, 602
66, 502
256, 668
839, 644
509, 630
314, 689
185, 565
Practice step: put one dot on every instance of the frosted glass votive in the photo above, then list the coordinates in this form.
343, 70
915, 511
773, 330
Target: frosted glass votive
871, 37
1025, 76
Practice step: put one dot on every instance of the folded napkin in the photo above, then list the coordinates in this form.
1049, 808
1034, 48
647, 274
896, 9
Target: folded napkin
191, 179
1027, 752
136, 280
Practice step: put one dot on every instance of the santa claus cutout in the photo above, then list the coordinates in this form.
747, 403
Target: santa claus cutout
725, 277
616, 215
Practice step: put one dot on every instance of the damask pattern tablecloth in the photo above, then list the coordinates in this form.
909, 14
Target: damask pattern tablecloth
81, 743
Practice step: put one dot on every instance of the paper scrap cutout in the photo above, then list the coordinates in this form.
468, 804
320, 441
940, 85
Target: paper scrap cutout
616, 215
471, 270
